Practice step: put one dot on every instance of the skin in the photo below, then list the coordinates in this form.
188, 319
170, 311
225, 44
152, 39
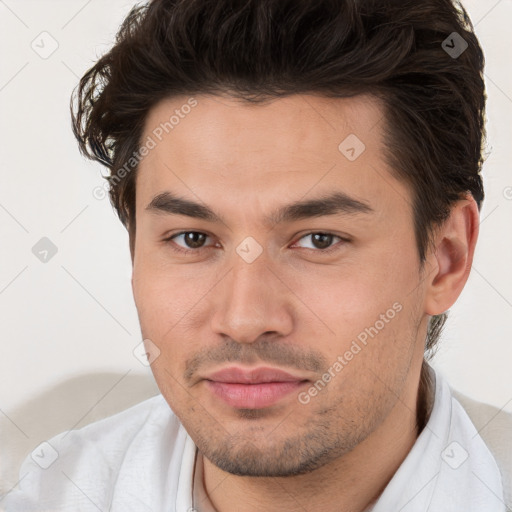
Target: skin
293, 307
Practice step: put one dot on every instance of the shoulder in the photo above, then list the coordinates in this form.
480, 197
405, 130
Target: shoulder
107, 436
494, 426
85, 464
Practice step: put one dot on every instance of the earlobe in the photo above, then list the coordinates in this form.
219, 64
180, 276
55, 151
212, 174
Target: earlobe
453, 257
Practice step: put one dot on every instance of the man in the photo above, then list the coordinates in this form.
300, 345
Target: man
300, 181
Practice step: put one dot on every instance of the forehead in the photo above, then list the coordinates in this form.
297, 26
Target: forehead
234, 152
297, 124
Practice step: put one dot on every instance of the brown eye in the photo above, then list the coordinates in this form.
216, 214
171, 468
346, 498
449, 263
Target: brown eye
322, 242
193, 241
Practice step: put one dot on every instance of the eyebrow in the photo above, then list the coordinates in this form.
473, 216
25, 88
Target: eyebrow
331, 204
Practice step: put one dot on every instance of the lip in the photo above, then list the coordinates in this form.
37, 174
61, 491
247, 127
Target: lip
259, 375
252, 389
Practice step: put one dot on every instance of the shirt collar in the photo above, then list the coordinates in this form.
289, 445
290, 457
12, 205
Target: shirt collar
448, 468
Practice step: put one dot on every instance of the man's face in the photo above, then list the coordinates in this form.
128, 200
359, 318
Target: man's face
332, 298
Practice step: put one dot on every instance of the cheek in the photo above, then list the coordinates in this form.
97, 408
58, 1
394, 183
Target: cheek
362, 313
168, 302
161, 302
351, 298
164, 293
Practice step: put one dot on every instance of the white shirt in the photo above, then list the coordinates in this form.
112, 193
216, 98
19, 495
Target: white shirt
142, 459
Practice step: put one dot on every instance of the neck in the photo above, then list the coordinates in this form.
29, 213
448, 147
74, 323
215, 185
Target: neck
350, 483
426, 393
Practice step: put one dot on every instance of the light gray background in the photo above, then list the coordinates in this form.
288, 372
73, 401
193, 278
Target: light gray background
75, 315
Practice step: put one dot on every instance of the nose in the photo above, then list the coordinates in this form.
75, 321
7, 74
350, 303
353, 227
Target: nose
251, 301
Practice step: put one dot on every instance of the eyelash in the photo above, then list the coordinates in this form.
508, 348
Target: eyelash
181, 250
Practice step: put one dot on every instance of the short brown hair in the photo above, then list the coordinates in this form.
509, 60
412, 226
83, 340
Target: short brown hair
256, 50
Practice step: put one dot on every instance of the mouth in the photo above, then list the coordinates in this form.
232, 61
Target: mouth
253, 389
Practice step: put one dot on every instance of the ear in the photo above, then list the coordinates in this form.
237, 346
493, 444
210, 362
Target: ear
451, 261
